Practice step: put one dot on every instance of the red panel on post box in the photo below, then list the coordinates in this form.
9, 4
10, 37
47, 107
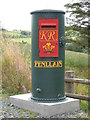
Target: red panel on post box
48, 37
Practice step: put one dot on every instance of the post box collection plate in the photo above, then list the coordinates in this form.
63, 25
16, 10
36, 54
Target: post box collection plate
48, 37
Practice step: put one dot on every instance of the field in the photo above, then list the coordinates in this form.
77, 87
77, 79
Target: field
16, 34
13, 33
78, 62
22, 40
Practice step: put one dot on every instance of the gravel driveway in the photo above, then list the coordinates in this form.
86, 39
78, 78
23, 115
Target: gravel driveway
8, 110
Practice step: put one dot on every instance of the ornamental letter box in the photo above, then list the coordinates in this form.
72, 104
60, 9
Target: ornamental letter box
48, 37
48, 56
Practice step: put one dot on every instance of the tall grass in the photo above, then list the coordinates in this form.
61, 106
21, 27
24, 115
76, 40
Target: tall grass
15, 69
0, 65
78, 62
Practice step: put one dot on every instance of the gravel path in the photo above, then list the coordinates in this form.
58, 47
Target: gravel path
8, 110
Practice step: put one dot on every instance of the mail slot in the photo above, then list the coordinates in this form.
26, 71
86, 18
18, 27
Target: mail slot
48, 37
48, 55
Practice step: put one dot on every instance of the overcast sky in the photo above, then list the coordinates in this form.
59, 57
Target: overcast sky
15, 14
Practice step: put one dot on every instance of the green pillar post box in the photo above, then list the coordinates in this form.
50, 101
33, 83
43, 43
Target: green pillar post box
48, 55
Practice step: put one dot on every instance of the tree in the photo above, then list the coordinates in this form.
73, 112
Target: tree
26, 33
78, 19
79, 14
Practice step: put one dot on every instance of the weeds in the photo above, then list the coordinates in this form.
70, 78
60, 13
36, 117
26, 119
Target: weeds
15, 69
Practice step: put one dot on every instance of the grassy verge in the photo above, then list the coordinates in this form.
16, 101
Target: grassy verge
15, 69
78, 62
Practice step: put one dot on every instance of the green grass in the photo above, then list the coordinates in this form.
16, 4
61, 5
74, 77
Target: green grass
25, 47
11, 33
83, 106
21, 116
3, 96
76, 59
16, 34
78, 62
28, 40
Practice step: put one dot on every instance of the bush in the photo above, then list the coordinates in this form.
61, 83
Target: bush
15, 69
75, 47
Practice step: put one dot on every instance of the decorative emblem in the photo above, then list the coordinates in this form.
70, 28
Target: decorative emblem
48, 47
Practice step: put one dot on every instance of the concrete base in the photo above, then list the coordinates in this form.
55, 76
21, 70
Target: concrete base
45, 109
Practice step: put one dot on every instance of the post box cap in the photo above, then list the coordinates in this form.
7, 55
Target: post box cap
47, 11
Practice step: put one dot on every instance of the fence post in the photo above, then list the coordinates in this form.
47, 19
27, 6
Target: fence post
69, 86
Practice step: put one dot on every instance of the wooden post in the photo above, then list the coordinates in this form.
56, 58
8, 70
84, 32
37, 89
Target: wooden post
69, 86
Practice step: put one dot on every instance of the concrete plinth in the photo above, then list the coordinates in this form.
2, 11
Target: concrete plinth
45, 109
